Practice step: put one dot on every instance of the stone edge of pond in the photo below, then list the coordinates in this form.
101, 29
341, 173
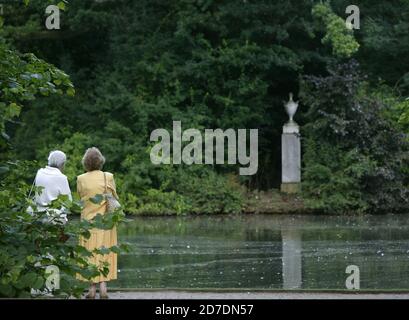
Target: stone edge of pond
244, 290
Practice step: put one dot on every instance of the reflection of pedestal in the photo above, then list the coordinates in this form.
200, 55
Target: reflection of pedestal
290, 158
292, 276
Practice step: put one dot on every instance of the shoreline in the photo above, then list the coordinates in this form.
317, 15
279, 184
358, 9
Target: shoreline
244, 295
271, 202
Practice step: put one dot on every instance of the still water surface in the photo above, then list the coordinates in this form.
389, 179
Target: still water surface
264, 252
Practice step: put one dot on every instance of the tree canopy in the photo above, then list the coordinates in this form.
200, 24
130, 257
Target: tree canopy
138, 65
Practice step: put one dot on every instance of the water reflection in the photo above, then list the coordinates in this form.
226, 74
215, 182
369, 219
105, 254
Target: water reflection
291, 241
265, 252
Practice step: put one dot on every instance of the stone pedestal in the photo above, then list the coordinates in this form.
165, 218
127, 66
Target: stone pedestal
290, 158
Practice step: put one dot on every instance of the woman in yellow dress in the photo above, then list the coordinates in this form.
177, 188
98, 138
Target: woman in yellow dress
89, 184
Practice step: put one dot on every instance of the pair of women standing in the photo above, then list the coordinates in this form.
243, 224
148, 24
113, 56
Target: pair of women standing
54, 183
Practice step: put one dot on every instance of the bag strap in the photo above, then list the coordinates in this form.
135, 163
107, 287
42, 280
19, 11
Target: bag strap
105, 182
32, 187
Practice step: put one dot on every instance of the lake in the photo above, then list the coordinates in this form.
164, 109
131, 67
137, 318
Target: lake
264, 252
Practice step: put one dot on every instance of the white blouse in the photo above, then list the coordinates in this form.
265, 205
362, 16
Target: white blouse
54, 183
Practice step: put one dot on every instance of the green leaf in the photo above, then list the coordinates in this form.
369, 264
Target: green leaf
116, 249
4, 169
38, 283
14, 110
6, 290
124, 247
97, 199
71, 92
28, 280
5, 136
102, 250
61, 5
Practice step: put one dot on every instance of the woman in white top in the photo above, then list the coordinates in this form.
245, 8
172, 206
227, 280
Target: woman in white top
53, 183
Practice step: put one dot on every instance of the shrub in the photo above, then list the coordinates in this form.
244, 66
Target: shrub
188, 190
355, 155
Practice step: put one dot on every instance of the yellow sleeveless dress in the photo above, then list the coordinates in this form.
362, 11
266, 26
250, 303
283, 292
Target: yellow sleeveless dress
88, 185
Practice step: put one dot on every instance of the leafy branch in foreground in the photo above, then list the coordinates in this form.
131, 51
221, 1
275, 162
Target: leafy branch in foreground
29, 243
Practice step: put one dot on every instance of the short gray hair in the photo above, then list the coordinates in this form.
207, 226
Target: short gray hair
93, 159
57, 159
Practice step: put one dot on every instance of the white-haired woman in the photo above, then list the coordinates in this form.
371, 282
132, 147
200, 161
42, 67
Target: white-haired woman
89, 184
53, 183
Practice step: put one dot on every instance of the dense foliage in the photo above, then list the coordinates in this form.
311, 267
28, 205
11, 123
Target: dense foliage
138, 65
355, 155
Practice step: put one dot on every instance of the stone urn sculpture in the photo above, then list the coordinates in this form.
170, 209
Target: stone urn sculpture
291, 108
290, 151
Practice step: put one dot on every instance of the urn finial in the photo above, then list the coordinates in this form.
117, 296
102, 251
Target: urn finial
291, 107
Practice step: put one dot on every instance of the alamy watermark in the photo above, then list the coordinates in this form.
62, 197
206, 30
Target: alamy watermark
202, 148
53, 278
353, 281
53, 19
52, 282
353, 21
52, 22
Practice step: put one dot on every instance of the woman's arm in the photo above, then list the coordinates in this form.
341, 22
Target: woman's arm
65, 189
